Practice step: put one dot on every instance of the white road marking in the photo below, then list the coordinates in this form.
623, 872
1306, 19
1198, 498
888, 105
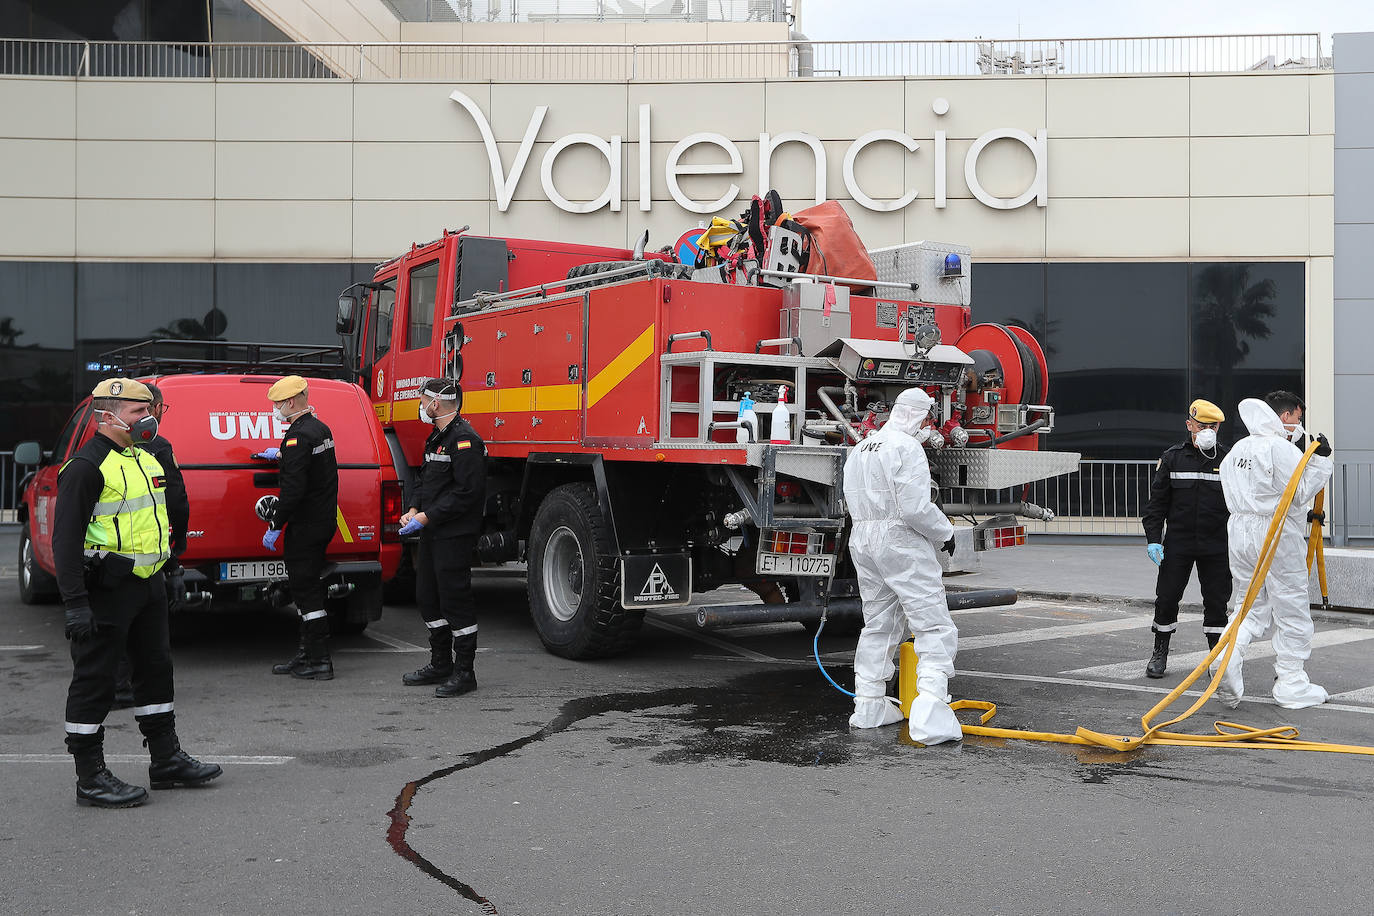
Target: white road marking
230, 759
709, 640
1040, 634
1189, 660
19, 648
396, 645
1363, 695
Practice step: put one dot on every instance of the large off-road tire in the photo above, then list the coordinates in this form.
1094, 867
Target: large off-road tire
35, 585
574, 578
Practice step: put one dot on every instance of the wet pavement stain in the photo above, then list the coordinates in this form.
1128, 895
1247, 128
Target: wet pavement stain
763, 717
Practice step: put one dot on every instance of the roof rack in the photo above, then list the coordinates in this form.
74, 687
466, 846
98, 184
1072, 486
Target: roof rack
170, 357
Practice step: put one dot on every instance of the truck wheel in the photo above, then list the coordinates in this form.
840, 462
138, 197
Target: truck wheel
350, 615
574, 578
35, 585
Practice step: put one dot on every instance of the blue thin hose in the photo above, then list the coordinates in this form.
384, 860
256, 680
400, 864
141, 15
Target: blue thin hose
816, 650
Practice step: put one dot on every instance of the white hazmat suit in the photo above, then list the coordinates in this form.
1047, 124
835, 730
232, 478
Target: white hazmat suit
896, 532
1253, 478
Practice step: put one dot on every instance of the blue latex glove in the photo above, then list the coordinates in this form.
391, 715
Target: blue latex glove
268, 454
1156, 552
412, 526
269, 540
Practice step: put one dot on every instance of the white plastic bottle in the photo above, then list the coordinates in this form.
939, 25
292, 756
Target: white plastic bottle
781, 432
748, 421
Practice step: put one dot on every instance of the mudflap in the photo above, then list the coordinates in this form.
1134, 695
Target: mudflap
655, 580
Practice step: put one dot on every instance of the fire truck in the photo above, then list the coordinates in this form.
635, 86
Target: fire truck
607, 385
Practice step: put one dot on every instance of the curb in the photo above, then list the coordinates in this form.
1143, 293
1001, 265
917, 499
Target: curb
1349, 617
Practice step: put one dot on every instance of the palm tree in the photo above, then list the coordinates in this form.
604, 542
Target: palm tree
1227, 309
9, 334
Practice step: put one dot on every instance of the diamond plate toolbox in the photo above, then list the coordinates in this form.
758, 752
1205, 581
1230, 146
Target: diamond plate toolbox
997, 469
923, 263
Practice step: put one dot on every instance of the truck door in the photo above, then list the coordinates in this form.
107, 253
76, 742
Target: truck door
376, 347
414, 346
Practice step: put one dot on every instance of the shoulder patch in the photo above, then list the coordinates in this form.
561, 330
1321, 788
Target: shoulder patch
464, 444
289, 442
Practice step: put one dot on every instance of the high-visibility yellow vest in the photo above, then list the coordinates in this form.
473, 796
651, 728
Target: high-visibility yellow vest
130, 517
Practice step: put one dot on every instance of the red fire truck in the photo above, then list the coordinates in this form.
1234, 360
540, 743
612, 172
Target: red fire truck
607, 387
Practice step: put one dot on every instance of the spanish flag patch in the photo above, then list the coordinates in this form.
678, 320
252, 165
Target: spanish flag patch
463, 444
289, 442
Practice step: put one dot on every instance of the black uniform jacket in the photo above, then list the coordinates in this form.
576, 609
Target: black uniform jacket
178, 505
452, 486
1186, 494
309, 474
79, 485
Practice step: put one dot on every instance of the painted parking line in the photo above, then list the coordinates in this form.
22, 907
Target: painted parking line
654, 621
391, 643
19, 648
229, 759
1066, 631
1189, 660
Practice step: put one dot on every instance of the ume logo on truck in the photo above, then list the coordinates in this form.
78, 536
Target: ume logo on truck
250, 425
505, 184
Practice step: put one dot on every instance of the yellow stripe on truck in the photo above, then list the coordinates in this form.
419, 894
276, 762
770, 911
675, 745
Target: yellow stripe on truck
343, 525
619, 369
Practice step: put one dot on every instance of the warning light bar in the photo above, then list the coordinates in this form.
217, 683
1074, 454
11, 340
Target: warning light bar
798, 542
1008, 536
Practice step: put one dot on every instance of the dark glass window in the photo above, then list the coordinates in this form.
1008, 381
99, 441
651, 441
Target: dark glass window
386, 307
1248, 325
1014, 295
69, 433
35, 350
281, 303
423, 285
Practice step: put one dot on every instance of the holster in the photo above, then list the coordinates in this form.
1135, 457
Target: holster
109, 570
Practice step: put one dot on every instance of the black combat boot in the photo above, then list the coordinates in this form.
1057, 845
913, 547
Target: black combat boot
97, 787
286, 667
316, 665
463, 680
440, 667
1159, 661
1212, 640
173, 768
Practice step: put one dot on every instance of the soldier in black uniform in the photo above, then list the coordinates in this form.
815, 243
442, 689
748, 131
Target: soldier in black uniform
446, 510
178, 517
1186, 495
308, 511
110, 541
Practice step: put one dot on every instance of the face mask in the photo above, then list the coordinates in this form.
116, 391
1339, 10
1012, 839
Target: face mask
286, 418
1206, 439
1296, 432
425, 418
923, 434
144, 430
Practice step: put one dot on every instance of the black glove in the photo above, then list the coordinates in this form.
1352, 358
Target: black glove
80, 623
175, 581
948, 547
1323, 446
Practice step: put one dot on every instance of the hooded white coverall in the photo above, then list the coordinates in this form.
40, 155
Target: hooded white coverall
1253, 478
895, 535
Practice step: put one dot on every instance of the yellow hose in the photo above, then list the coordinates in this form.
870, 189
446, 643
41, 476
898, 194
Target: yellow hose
1227, 734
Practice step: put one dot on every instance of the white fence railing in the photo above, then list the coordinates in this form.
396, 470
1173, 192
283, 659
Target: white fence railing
572, 62
591, 10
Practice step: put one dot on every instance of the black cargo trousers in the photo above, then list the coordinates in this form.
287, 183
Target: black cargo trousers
443, 590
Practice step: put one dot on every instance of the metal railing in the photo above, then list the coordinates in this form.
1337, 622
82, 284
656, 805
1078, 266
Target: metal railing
571, 62
10, 475
591, 10
1350, 502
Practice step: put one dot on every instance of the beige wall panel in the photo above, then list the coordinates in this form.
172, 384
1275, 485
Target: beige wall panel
1322, 237
284, 171
516, 32
1320, 348
1248, 106
1118, 228
991, 233
145, 229
145, 110
1117, 106
747, 31
37, 168
673, 119
975, 106
878, 230
421, 171
146, 168
536, 220
590, 108
442, 32
384, 228
360, 20
415, 112
839, 110
1249, 166
38, 227
883, 170
1250, 227
1321, 101
1136, 167
283, 229
272, 110
1006, 168
1321, 164
41, 109
665, 32
697, 187
588, 32
579, 173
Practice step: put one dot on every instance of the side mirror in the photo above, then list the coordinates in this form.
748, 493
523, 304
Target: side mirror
347, 319
28, 453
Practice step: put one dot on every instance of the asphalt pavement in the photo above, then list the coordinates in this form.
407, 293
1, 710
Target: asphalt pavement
704, 772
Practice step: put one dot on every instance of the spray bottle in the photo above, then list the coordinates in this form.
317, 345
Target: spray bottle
748, 421
781, 432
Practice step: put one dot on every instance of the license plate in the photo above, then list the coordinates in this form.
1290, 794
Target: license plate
253, 569
795, 564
